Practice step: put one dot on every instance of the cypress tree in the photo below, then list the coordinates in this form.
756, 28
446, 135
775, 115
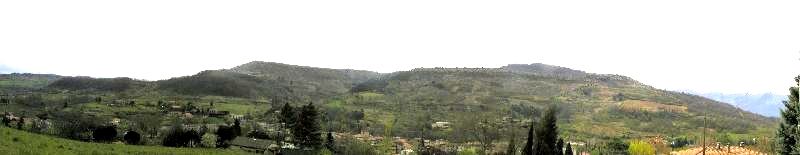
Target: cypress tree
528, 150
559, 146
330, 143
787, 131
568, 150
547, 133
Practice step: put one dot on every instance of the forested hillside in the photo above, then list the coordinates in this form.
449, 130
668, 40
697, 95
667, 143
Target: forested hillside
451, 107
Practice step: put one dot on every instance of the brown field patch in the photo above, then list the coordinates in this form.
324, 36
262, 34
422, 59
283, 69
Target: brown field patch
638, 105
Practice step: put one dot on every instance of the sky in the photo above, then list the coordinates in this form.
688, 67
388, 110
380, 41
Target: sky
729, 46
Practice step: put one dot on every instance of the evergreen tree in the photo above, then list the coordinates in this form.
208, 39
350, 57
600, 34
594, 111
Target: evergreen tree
288, 116
237, 128
787, 131
306, 130
568, 150
547, 133
559, 146
528, 150
330, 143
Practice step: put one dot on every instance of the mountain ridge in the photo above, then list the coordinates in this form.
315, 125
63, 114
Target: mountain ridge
614, 104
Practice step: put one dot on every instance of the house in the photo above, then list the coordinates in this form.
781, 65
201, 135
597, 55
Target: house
238, 117
10, 117
115, 121
217, 113
251, 144
176, 108
440, 125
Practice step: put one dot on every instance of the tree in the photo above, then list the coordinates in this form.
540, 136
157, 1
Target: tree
236, 128
306, 131
6, 121
787, 131
357, 115
619, 97
75, 125
528, 150
132, 137
639, 147
105, 133
224, 135
189, 107
512, 146
330, 143
568, 150
617, 146
288, 116
20, 123
178, 137
147, 124
487, 134
547, 133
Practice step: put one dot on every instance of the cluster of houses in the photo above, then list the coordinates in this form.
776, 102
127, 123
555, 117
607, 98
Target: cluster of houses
9, 118
189, 110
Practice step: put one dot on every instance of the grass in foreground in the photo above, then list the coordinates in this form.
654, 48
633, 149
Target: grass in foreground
14, 141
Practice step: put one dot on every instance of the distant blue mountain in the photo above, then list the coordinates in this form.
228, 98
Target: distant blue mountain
766, 104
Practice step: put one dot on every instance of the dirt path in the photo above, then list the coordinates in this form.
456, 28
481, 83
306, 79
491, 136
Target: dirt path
714, 151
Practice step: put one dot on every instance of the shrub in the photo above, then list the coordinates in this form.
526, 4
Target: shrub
224, 135
639, 147
179, 137
209, 140
132, 137
105, 134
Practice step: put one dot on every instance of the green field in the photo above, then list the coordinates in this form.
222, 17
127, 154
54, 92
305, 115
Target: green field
18, 142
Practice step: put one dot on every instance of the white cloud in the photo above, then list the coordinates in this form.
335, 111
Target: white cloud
720, 46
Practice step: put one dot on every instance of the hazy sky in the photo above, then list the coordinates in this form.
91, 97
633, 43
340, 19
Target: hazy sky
707, 46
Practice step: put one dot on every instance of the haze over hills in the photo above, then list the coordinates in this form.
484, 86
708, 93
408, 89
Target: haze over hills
593, 105
5, 69
767, 104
